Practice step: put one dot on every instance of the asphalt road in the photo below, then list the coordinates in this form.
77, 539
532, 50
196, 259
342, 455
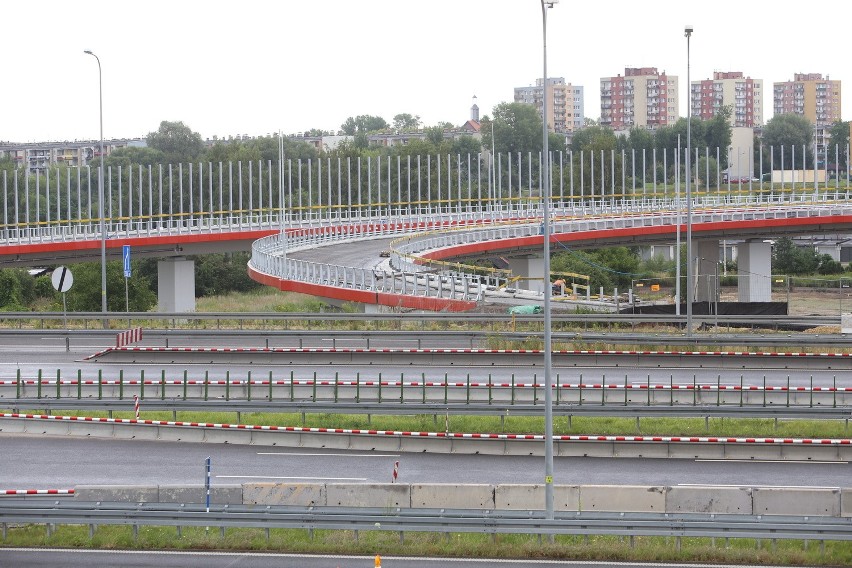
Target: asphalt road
39, 462
48, 354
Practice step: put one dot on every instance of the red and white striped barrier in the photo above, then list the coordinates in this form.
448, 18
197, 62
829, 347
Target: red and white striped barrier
36, 491
448, 435
426, 351
395, 472
136, 406
129, 336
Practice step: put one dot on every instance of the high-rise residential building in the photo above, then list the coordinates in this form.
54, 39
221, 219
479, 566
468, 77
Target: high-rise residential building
564, 101
641, 98
813, 97
743, 94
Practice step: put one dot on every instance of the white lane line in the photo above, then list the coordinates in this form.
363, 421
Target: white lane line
815, 462
757, 486
282, 477
328, 455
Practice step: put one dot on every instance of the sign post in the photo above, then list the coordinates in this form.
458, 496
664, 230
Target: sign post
125, 257
62, 280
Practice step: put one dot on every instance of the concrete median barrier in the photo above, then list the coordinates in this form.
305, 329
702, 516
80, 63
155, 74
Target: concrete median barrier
531, 497
622, 498
220, 494
127, 431
796, 501
125, 493
640, 450
368, 495
709, 499
292, 494
584, 449
449, 496
180, 434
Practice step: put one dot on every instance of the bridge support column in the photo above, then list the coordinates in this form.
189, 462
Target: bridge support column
176, 285
754, 266
531, 270
707, 270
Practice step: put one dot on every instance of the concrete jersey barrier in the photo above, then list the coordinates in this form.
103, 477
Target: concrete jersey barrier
742, 500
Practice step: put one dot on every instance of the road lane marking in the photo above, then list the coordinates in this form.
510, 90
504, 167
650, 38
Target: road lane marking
328, 455
297, 477
758, 486
816, 462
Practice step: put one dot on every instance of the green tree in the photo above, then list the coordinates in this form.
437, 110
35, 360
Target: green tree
404, 122
85, 293
435, 135
787, 258
177, 142
363, 124
222, 273
717, 133
786, 135
517, 128
135, 155
839, 134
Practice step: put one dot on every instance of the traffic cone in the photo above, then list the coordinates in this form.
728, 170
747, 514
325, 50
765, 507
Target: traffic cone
378, 561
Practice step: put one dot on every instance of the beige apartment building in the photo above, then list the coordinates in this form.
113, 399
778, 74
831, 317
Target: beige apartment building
813, 97
743, 94
564, 103
642, 97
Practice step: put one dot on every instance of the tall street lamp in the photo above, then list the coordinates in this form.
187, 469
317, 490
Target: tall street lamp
689, 268
548, 364
101, 189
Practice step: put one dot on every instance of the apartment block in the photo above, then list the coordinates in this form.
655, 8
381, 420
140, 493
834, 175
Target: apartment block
36, 157
743, 94
642, 98
813, 97
564, 101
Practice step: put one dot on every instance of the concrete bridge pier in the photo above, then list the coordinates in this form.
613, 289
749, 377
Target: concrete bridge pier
754, 266
176, 285
531, 271
707, 270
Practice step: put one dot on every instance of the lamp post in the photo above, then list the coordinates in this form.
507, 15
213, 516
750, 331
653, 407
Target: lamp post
689, 268
548, 364
101, 190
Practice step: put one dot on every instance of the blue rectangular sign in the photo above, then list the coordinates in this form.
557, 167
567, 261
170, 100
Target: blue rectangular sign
125, 255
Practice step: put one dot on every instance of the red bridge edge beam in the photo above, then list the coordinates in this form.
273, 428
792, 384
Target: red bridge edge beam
363, 296
613, 236
118, 242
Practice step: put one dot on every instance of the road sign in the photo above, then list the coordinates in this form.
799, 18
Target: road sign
125, 255
62, 279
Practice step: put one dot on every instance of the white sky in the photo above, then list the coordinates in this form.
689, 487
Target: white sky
259, 66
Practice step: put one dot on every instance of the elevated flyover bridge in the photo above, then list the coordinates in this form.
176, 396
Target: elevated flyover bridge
398, 231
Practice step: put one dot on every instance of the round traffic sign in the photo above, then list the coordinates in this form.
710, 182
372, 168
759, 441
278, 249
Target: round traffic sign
62, 279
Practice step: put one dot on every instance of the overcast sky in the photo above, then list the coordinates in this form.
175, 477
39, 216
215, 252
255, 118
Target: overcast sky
259, 66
